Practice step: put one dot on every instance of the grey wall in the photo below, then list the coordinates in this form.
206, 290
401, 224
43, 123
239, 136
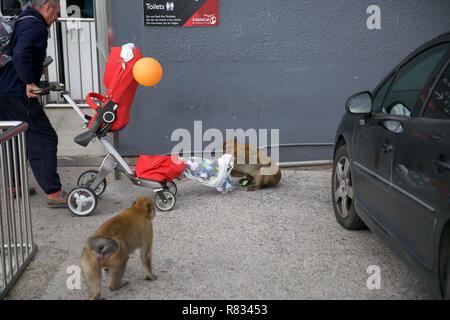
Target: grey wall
286, 64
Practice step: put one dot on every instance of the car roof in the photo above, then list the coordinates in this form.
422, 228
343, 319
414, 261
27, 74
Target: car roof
439, 39
445, 35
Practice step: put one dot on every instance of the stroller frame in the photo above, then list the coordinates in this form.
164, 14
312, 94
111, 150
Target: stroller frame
84, 194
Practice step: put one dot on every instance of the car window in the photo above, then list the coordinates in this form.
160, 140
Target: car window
411, 79
439, 105
380, 94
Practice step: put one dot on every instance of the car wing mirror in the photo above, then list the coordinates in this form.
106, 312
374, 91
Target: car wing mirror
360, 103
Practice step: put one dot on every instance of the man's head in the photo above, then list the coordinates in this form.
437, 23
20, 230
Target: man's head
49, 9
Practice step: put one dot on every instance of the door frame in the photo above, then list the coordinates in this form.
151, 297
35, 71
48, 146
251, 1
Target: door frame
102, 24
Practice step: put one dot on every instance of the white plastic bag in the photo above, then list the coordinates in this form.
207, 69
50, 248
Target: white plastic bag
206, 175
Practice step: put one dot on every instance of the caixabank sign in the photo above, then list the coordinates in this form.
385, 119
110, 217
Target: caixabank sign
186, 13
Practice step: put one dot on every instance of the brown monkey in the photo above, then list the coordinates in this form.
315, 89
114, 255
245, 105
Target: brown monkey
112, 244
253, 164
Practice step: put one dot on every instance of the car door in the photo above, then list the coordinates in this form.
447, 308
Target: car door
377, 136
370, 161
421, 176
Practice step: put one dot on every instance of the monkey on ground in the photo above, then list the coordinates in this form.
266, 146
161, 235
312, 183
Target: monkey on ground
253, 164
109, 248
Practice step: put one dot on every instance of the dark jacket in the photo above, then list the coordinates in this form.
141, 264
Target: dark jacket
28, 48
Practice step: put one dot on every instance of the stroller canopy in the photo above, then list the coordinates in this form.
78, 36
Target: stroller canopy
120, 84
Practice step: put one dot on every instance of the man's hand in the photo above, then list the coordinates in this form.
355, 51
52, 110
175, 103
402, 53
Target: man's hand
32, 87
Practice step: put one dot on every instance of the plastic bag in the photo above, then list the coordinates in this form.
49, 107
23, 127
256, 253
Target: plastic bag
210, 173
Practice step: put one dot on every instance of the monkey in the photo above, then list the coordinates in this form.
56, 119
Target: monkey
109, 248
253, 165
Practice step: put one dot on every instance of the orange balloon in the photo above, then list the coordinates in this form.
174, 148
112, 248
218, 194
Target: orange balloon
147, 71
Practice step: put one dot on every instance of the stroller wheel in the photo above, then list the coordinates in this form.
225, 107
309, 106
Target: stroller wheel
87, 178
166, 204
82, 202
172, 187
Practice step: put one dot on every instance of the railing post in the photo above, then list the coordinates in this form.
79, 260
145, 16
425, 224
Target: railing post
16, 231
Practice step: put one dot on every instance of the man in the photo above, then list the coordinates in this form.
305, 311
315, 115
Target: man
17, 102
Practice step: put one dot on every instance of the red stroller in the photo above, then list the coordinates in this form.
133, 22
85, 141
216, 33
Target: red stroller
112, 115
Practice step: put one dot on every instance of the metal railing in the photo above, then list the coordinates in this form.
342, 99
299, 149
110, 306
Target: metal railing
17, 247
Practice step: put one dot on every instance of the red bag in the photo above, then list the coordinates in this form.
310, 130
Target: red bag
159, 168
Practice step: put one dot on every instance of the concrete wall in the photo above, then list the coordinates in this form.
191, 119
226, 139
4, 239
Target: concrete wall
270, 64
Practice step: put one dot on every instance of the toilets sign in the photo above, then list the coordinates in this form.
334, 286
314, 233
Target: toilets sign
185, 13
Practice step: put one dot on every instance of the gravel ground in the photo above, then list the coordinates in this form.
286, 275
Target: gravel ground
279, 243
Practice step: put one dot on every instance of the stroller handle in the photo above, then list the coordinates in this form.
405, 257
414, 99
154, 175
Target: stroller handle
47, 87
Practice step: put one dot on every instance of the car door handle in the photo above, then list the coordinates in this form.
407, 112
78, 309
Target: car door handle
388, 147
442, 166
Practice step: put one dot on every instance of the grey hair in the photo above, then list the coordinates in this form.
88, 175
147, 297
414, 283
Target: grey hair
42, 3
